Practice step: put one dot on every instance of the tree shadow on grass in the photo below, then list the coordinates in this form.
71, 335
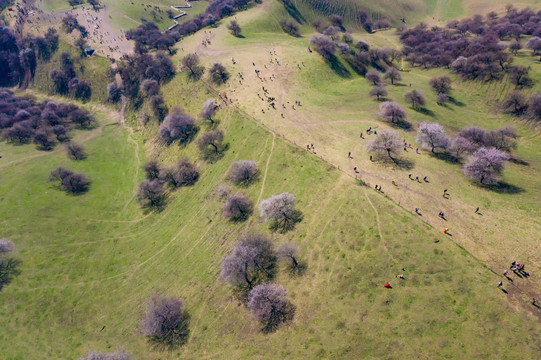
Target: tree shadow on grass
456, 102
404, 125
445, 156
505, 188
279, 318
175, 338
519, 161
298, 270
338, 68
294, 12
404, 164
425, 111
9, 268
286, 225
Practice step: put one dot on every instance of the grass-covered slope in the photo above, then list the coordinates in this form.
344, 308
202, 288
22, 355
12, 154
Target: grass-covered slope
89, 262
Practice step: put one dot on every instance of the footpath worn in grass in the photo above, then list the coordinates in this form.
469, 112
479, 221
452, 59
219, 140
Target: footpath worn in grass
89, 262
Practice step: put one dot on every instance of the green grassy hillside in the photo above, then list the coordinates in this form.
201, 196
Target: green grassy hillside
89, 262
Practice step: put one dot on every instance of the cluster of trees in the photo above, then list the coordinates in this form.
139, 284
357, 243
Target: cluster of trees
360, 56
369, 23
69, 181
517, 103
44, 46
250, 267
472, 47
18, 58
46, 122
148, 36
152, 194
239, 207
488, 149
66, 82
142, 75
8, 264
218, 73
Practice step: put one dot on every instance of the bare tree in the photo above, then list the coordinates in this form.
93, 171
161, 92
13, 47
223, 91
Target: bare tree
519, 76
373, 77
379, 92
362, 45
393, 74
441, 84
69, 181
208, 111
165, 321
392, 112
502, 139
290, 252
82, 118
184, 174
191, 62
534, 44
238, 207
177, 126
234, 27
534, 106
485, 164
8, 265
219, 74
252, 261
75, 151
336, 20
114, 93
151, 194
515, 102
269, 305
344, 49
514, 47
118, 355
416, 98
475, 134
6, 246
324, 46
432, 136
386, 142
158, 106
151, 87
243, 172
291, 27
43, 139
152, 170
211, 144
442, 99
280, 211
460, 146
